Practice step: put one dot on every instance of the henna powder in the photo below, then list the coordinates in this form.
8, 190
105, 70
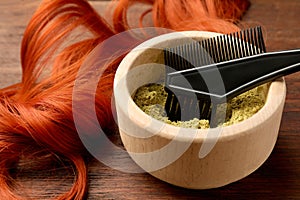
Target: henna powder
151, 99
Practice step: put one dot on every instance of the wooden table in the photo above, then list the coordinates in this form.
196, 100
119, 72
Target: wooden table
277, 178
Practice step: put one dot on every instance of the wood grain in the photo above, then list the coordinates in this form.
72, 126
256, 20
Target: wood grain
277, 178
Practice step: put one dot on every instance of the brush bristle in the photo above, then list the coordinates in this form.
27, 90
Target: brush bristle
200, 53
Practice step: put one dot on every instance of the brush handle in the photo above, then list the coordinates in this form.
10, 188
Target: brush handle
225, 80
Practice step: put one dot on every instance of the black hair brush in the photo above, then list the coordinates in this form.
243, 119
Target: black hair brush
204, 74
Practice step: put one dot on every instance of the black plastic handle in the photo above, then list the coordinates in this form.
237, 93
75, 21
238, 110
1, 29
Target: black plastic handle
228, 79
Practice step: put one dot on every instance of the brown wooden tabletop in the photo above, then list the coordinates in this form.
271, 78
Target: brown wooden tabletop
277, 178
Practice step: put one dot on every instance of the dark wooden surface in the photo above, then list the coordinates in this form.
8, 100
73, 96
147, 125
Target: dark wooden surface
277, 178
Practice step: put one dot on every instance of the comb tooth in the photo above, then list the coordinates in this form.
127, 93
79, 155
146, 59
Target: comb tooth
176, 60
212, 56
260, 48
252, 39
180, 61
173, 108
243, 39
261, 41
166, 53
181, 105
167, 58
249, 43
197, 56
199, 49
246, 43
183, 58
208, 54
232, 46
229, 48
202, 51
233, 41
194, 108
207, 109
209, 113
204, 114
168, 102
225, 47
240, 36
188, 110
240, 52
222, 49
207, 57
177, 107
255, 41
253, 47
220, 56
170, 114
216, 54
229, 42
173, 59
200, 105
190, 56
186, 56
202, 54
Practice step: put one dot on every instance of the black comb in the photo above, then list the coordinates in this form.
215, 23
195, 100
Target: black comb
230, 64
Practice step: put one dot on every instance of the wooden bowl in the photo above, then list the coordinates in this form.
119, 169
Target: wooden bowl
190, 158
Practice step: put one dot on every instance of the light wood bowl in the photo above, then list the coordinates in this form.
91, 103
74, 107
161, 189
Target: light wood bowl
190, 158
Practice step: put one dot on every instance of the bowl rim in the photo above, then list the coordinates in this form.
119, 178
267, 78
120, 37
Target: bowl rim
277, 89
